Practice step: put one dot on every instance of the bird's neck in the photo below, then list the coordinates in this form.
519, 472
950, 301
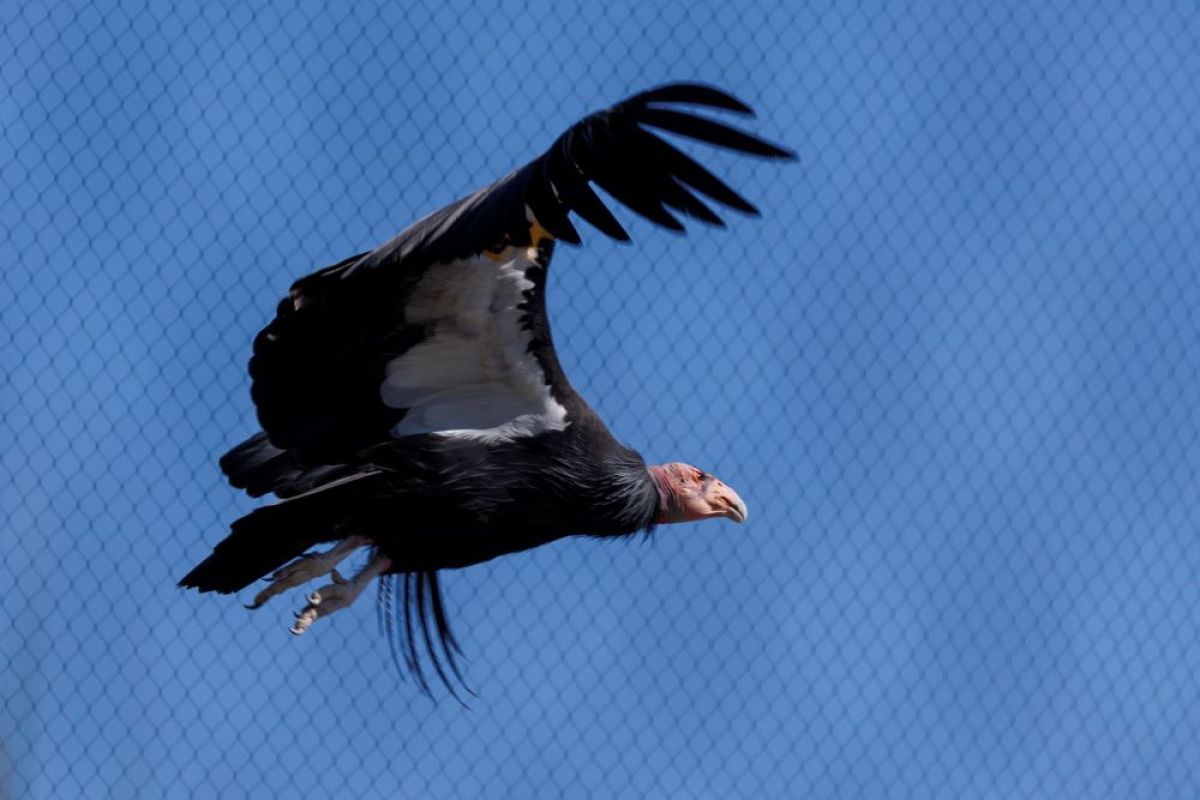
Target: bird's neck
625, 495
669, 508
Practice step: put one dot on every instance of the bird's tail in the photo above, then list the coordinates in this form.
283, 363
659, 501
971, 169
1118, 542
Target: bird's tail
269, 537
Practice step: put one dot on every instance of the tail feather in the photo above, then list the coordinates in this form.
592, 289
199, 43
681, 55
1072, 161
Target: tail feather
269, 537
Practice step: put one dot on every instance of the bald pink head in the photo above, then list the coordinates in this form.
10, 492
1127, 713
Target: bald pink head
686, 493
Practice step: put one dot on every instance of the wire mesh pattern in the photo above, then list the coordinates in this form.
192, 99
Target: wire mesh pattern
952, 369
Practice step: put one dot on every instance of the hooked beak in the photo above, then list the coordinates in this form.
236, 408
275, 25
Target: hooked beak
687, 494
725, 502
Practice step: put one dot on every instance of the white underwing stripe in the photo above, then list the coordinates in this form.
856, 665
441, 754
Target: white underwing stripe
473, 376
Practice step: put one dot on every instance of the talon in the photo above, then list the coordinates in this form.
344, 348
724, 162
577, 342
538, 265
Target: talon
337, 595
303, 621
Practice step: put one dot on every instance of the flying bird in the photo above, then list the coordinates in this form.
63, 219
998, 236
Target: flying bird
412, 404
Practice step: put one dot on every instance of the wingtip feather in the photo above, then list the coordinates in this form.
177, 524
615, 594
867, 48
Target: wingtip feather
711, 131
691, 93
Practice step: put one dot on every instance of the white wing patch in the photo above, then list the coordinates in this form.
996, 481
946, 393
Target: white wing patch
473, 376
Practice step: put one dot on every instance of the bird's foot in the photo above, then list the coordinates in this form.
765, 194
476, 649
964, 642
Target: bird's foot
339, 594
308, 567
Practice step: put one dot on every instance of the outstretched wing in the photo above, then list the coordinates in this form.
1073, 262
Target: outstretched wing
443, 329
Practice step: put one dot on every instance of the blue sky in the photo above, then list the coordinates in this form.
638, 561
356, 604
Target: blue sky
950, 370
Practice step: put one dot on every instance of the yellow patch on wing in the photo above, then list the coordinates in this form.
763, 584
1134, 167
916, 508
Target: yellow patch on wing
536, 234
501, 252
499, 256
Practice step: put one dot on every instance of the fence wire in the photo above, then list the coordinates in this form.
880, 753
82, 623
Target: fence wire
952, 369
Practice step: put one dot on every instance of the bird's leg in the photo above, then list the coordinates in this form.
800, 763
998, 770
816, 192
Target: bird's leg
339, 594
308, 567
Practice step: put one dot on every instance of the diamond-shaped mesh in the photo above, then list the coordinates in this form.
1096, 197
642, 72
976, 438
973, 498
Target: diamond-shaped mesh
953, 370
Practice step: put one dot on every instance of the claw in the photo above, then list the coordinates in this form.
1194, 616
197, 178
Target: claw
303, 621
339, 594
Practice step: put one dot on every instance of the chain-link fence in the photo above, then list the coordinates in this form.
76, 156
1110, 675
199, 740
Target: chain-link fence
953, 370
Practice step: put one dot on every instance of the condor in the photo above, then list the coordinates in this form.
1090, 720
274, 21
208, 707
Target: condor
412, 404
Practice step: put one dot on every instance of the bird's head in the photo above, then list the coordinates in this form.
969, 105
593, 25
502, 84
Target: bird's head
686, 493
